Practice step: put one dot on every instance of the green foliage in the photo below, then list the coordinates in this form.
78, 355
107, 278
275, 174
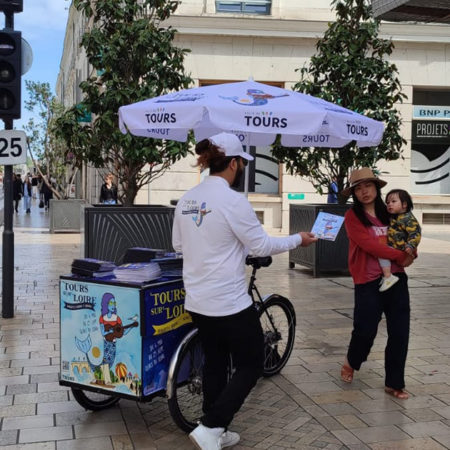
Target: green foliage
349, 69
49, 154
133, 58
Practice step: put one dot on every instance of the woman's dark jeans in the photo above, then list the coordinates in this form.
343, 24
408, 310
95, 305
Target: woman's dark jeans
370, 304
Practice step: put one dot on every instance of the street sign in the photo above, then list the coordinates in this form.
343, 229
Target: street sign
13, 147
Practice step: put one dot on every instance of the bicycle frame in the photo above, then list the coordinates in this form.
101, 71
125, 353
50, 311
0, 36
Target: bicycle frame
260, 299
174, 360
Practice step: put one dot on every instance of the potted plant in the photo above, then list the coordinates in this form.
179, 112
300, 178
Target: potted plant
350, 69
133, 58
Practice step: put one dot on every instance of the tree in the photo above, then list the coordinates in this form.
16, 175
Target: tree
133, 58
349, 69
49, 154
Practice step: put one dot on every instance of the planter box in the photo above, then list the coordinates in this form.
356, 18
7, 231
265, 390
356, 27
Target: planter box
324, 256
110, 230
65, 215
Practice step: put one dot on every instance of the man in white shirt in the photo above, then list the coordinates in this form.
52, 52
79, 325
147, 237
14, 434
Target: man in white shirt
215, 228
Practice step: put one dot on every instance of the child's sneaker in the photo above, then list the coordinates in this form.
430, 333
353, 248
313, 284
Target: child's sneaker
387, 283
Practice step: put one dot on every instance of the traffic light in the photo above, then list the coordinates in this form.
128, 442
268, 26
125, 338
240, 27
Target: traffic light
11, 5
10, 74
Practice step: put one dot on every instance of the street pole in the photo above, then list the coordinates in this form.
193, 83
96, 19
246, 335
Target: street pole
8, 233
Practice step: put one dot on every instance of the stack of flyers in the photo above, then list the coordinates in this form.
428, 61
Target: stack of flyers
93, 268
137, 272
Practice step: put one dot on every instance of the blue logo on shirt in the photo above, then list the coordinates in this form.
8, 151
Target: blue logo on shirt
191, 207
198, 219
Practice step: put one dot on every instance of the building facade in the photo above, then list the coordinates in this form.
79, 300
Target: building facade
267, 40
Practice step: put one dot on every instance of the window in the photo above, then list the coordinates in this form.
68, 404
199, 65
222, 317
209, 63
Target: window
246, 7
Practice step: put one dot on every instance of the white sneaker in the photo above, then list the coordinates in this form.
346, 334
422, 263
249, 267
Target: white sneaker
205, 438
229, 438
388, 283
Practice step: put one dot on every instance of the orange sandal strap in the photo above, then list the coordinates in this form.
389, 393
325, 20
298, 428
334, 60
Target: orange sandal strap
347, 374
397, 393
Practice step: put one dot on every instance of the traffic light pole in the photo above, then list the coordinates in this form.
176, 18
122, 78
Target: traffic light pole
8, 233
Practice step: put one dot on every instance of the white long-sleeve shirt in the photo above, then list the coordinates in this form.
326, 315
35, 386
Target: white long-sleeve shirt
215, 228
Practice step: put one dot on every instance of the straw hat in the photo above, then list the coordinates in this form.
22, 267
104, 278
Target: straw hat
360, 175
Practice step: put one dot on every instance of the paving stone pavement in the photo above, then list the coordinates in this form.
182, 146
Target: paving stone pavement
305, 407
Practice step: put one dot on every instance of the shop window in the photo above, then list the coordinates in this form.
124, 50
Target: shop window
244, 7
430, 142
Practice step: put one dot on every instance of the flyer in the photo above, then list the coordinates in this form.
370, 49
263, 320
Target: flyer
327, 226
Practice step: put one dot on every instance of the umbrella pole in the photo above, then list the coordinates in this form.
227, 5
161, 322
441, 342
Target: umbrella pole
246, 177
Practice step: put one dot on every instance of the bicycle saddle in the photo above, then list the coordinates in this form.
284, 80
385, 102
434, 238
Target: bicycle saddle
258, 261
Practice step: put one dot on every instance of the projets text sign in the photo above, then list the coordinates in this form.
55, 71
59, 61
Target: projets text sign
431, 132
13, 147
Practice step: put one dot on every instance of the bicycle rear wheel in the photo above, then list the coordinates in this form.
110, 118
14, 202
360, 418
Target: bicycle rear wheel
94, 401
186, 398
278, 320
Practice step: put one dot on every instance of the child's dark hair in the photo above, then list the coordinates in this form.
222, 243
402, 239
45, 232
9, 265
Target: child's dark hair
404, 198
210, 156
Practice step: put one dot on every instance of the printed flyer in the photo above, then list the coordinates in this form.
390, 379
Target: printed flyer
327, 226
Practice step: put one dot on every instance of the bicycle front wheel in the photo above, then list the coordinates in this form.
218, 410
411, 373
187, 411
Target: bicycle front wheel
92, 400
278, 320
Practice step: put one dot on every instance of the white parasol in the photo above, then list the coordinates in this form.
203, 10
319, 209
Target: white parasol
255, 112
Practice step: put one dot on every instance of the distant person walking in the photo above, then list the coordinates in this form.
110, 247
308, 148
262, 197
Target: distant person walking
17, 190
333, 191
108, 191
34, 184
46, 191
27, 194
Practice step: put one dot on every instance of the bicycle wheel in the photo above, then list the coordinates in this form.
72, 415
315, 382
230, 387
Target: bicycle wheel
186, 391
94, 401
278, 320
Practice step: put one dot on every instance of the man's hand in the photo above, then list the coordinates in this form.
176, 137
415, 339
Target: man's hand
307, 238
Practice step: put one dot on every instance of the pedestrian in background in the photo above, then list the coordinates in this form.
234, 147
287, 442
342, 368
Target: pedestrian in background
34, 184
333, 191
46, 191
27, 194
17, 190
108, 191
367, 225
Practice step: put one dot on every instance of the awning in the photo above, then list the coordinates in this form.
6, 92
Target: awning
436, 11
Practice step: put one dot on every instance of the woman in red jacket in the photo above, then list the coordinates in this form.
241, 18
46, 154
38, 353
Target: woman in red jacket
366, 225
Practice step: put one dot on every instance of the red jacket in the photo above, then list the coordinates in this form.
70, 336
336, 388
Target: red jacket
361, 244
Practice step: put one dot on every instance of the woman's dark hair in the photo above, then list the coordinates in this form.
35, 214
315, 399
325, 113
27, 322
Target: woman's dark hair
380, 209
403, 196
210, 156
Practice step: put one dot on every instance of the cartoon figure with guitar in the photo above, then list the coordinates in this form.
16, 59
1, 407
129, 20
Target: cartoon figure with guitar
112, 329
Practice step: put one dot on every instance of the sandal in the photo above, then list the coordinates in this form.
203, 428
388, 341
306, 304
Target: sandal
397, 393
347, 373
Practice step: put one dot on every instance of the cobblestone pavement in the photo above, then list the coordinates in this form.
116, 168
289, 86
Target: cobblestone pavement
305, 407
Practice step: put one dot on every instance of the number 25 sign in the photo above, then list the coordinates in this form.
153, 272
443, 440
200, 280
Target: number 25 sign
13, 147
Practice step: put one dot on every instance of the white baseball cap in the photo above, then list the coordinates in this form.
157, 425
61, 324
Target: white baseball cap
230, 144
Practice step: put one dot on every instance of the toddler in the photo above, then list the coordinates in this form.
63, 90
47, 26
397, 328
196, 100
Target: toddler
404, 231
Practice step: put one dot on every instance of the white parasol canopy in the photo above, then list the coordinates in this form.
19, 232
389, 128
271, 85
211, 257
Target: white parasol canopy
255, 112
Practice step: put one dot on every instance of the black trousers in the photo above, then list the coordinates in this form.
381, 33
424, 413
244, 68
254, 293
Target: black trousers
241, 336
370, 304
